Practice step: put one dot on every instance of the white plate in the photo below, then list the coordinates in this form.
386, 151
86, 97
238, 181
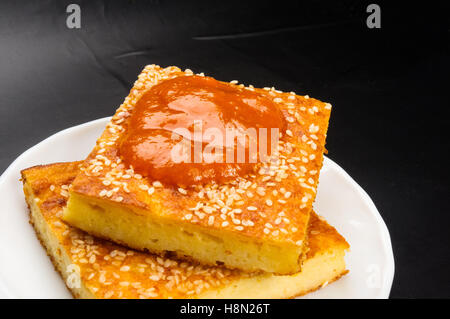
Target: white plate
26, 271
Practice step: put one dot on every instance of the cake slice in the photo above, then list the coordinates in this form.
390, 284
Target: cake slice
255, 221
96, 268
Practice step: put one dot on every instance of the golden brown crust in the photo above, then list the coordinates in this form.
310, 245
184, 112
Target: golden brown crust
322, 236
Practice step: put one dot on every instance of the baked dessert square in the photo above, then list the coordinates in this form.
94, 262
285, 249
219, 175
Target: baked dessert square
255, 221
97, 268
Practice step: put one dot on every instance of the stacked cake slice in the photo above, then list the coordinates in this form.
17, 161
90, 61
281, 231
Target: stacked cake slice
114, 233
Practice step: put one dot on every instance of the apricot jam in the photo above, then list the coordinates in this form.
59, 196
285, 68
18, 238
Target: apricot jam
175, 109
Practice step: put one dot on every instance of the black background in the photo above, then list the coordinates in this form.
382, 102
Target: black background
388, 87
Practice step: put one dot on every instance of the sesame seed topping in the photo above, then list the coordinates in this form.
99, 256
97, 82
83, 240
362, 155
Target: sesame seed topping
313, 128
157, 184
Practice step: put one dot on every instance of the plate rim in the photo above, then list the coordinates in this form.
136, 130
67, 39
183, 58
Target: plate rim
385, 235
384, 232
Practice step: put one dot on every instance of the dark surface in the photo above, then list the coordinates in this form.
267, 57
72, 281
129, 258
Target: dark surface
389, 88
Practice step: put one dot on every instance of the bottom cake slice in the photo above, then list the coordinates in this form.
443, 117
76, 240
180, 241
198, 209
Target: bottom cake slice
96, 268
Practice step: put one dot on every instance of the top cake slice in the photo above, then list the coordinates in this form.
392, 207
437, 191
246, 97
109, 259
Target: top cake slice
251, 215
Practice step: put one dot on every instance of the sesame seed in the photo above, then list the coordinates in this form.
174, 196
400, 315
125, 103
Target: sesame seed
277, 100
269, 202
154, 277
125, 268
299, 243
313, 128
208, 209
252, 208
266, 231
261, 191
225, 224
287, 194
157, 184
109, 294
56, 223
182, 191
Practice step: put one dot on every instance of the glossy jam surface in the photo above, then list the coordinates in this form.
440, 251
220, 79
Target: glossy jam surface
189, 109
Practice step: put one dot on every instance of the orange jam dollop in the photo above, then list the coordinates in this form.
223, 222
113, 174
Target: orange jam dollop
175, 110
